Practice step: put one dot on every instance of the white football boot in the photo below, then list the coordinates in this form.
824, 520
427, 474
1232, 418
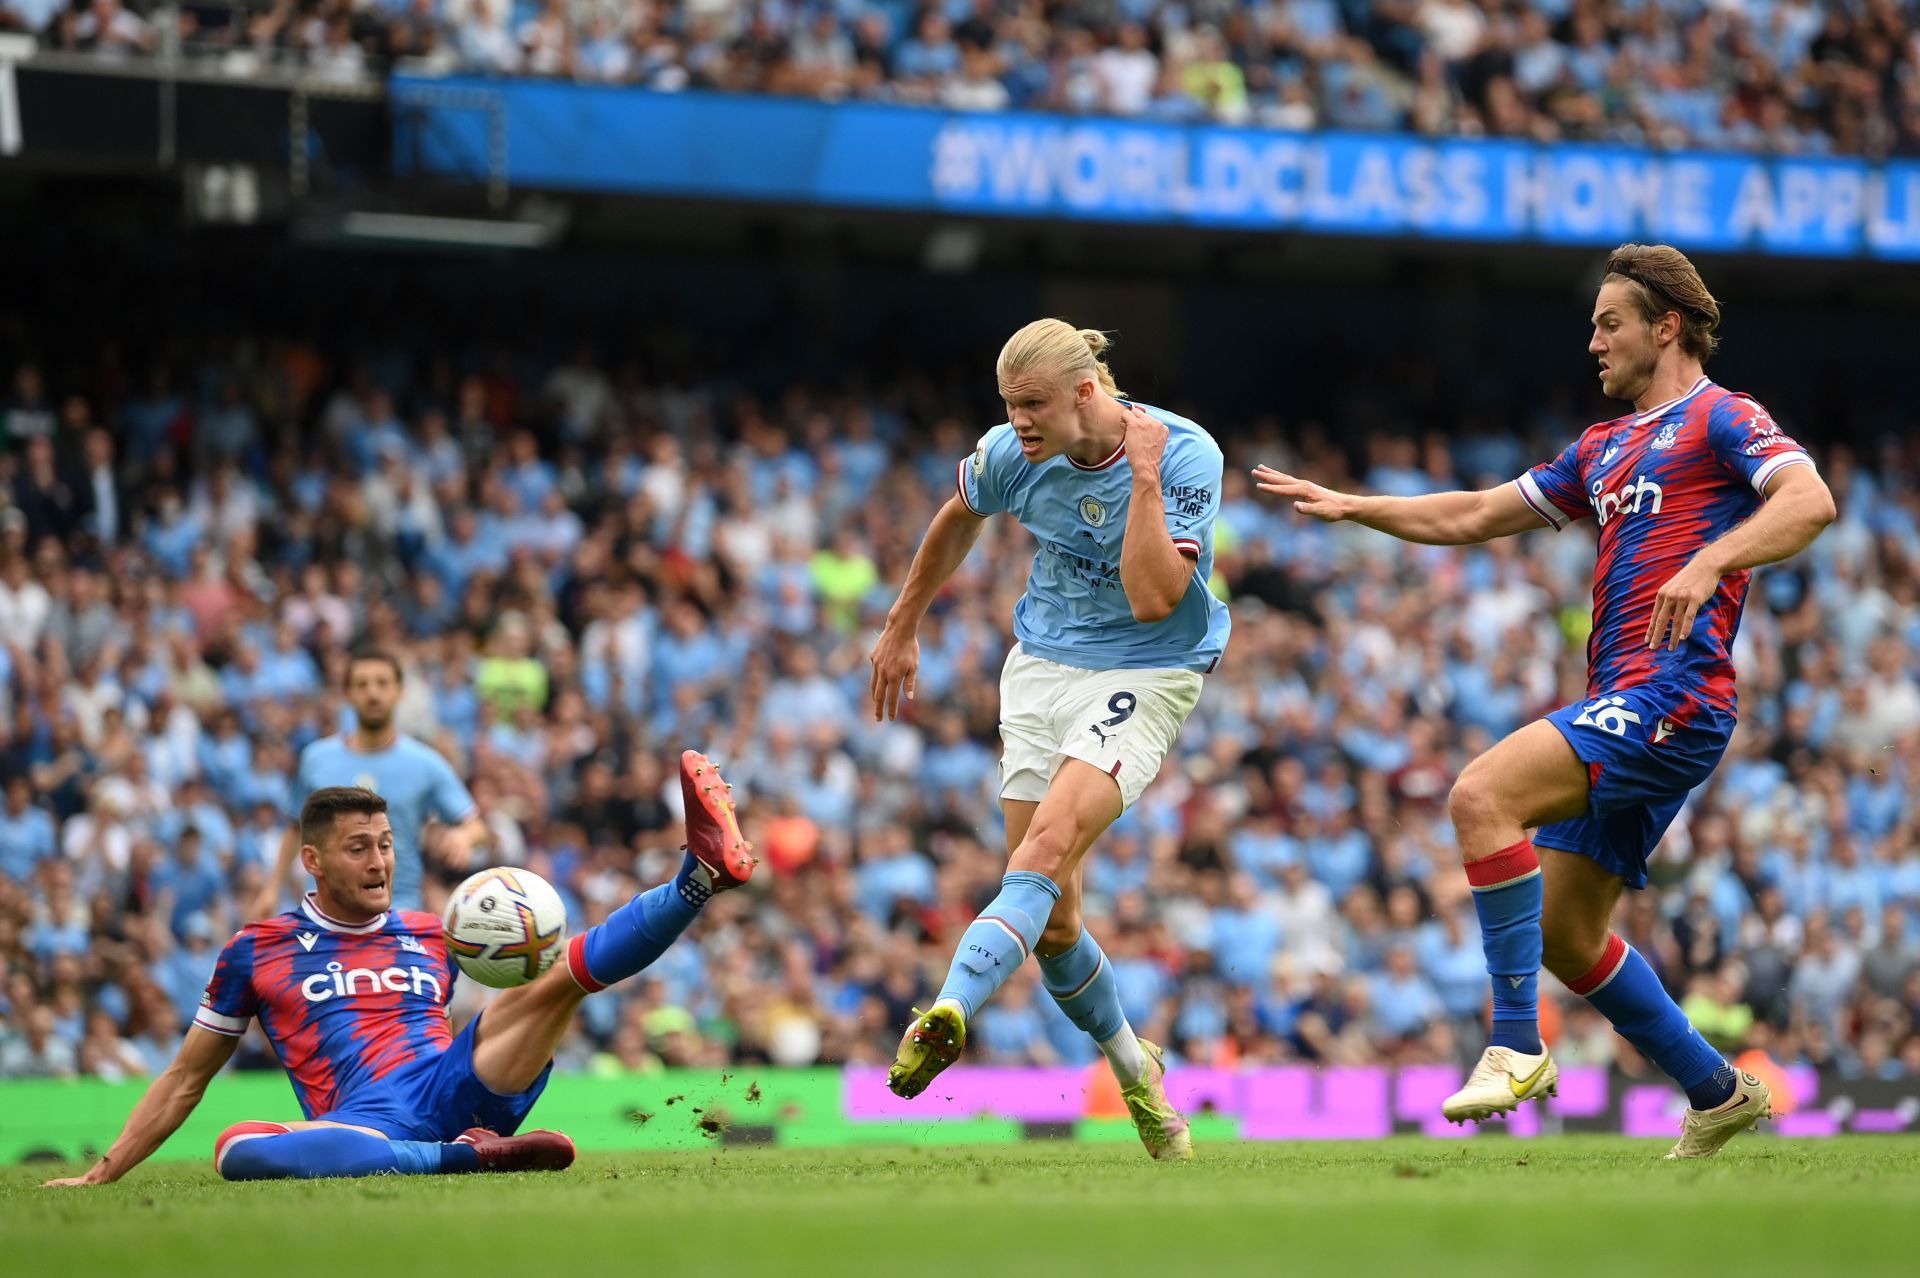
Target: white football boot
1704, 1131
1503, 1078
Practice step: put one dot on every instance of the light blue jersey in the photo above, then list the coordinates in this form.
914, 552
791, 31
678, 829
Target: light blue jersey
416, 781
1075, 611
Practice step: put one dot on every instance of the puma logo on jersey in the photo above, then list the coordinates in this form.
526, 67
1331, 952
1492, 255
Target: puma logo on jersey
307, 939
1094, 728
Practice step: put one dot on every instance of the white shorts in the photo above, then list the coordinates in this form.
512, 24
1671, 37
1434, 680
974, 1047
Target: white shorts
1123, 722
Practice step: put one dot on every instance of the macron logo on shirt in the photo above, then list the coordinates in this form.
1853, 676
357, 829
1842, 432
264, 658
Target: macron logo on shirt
307, 939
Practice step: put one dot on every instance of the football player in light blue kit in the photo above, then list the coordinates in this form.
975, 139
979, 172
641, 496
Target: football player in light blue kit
1114, 633
415, 779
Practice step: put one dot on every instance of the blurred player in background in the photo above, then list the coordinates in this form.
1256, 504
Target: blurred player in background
352, 993
1115, 630
1691, 491
415, 779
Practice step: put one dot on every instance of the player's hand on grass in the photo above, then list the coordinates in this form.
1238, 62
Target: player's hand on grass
896, 659
1679, 603
1146, 439
1308, 498
93, 1177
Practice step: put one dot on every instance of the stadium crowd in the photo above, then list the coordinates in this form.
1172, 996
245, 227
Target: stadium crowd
585, 568
1784, 76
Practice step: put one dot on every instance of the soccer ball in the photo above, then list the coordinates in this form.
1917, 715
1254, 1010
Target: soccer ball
505, 927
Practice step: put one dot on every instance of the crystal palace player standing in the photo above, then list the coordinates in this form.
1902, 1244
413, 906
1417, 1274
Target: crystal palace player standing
352, 993
1690, 491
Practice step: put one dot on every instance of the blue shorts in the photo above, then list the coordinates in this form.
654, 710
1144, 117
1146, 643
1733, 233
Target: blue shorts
437, 1097
1640, 768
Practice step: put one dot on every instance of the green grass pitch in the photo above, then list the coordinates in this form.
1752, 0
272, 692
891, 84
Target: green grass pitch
1564, 1206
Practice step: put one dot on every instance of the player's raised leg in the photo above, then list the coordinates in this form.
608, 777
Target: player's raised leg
519, 1032
1081, 803
1530, 778
1595, 963
718, 858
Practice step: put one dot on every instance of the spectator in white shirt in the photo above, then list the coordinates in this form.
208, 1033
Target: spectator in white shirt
977, 87
546, 41
484, 41
1453, 28
24, 602
111, 31
35, 1051
1127, 71
98, 844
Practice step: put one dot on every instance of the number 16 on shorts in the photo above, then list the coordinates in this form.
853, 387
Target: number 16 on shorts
1609, 714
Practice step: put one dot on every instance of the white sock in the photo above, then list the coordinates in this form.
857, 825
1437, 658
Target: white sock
1128, 1058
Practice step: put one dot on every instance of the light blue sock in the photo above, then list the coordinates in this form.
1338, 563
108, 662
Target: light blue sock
1082, 983
318, 1152
638, 932
1000, 939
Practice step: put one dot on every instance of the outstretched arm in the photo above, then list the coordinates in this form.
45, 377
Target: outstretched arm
1438, 519
1798, 506
896, 656
166, 1105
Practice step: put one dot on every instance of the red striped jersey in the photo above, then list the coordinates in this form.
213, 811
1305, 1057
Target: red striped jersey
1663, 484
343, 1004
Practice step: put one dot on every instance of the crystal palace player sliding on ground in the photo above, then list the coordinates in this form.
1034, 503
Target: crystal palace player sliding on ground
1692, 490
353, 996
1115, 631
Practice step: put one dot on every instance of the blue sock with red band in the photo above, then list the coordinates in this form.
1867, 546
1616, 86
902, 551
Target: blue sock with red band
253, 1151
1627, 991
1508, 894
639, 932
